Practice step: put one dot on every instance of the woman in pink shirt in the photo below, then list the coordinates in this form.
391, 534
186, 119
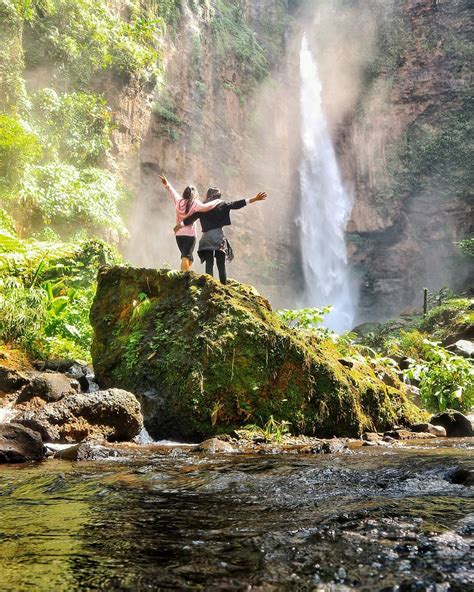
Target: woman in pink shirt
186, 206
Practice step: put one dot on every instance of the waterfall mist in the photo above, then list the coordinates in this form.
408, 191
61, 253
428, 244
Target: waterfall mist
325, 207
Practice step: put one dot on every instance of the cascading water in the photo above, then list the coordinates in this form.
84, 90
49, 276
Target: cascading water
325, 208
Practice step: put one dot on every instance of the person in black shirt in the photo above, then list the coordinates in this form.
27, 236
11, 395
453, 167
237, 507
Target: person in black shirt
213, 243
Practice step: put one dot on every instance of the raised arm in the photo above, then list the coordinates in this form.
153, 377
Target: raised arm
241, 203
262, 196
200, 207
170, 189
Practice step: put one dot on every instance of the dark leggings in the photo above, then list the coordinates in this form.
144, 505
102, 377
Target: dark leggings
220, 260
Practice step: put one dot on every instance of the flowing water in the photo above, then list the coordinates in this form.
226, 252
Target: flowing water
164, 518
325, 208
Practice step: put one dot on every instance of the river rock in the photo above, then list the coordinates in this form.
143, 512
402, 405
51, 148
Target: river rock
214, 445
455, 423
371, 437
463, 477
408, 435
429, 428
217, 357
113, 415
20, 444
463, 348
11, 380
49, 386
329, 446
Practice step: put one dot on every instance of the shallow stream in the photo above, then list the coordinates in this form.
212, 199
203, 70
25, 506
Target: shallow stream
156, 518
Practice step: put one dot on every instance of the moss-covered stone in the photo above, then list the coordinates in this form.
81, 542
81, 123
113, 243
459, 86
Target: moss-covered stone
208, 358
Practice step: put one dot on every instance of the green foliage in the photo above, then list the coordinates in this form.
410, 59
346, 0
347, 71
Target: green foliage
84, 37
166, 112
73, 126
272, 431
447, 316
233, 37
65, 197
170, 11
466, 247
18, 147
46, 290
304, 318
446, 380
170, 121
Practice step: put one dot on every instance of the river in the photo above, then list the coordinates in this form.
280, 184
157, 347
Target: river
168, 518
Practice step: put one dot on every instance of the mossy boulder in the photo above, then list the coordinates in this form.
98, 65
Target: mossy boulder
207, 358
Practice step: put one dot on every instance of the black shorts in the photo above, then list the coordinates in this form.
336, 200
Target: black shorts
186, 246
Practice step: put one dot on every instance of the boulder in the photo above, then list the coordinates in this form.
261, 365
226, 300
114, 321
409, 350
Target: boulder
113, 415
207, 359
371, 437
214, 445
462, 348
49, 386
20, 444
428, 428
455, 423
329, 446
409, 435
463, 476
11, 380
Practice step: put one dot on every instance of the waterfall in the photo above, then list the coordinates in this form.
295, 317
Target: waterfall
325, 208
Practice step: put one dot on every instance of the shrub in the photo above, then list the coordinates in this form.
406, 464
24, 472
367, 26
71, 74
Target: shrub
73, 126
46, 293
18, 148
446, 380
64, 197
84, 37
233, 37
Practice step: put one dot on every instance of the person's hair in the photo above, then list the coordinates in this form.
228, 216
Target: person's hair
213, 193
190, 194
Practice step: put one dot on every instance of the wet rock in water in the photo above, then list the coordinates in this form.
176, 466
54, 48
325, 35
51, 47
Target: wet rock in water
12, 380
455, 423
232, 358
49, 386
95, 451
113, 415
429, 428
463, 477
408, 435
463, 348
19, 444
214, 445
329, 447
371, 437
63, 452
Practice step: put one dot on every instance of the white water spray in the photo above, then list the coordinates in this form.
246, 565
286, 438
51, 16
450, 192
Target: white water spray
325, 208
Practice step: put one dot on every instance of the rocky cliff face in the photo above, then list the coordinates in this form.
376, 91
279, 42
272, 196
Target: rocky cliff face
406, 152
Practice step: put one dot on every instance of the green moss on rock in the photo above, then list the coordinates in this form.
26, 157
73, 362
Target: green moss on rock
208, 358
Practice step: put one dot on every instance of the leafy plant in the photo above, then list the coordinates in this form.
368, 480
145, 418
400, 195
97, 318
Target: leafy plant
84, 37
466, 247
233, 37
446, 380
18, 148
74, 126
62, 196
272, 431
304, 318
